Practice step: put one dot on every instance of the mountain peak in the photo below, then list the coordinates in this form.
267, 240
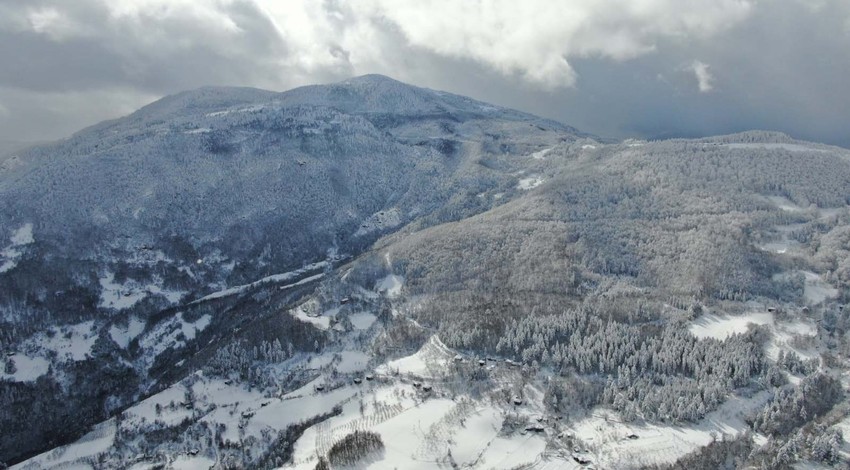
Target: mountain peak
371, 78
375, 94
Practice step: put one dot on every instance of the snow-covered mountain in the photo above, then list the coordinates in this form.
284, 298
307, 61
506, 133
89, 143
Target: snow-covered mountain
238, 278
252, 182
212, 189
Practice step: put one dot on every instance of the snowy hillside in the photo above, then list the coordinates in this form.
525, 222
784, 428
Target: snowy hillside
368, 274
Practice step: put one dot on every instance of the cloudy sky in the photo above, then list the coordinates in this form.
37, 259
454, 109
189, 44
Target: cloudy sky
617, 68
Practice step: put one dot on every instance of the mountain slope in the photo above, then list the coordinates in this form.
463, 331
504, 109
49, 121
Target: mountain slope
673, 222
268, 180
220, 187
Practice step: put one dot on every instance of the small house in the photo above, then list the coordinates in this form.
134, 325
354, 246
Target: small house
517, 400
370, 377
536, 427
426, 388
358, 380
632, 436
320, 387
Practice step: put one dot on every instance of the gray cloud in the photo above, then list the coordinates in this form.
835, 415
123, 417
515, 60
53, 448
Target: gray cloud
614, 67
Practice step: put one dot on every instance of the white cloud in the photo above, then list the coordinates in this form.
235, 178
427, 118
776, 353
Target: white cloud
705, 81
534, 40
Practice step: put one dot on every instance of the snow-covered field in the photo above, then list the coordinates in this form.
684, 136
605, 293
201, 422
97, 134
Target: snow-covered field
541, 154
362, 320
723, 326
78, 455
427, 434
64, 343
122, 335
172, 411
390, 285
605, 436
171, 333
70, 342
27, 368
304, 312
529, 183
816, 290
423, 429
118, 296
344, 362
430, 361
123, 296
10, 255
382, 220
192, 462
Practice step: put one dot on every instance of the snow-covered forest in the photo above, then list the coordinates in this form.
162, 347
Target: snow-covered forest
234, 278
